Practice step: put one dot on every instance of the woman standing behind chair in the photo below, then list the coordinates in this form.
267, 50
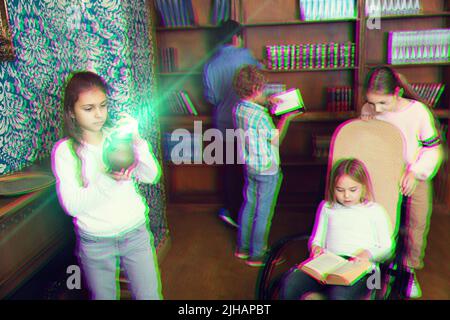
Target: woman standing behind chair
391, 99
348, 224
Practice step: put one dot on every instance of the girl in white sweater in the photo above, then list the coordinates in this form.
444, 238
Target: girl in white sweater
109, 214
348, 224
390, 98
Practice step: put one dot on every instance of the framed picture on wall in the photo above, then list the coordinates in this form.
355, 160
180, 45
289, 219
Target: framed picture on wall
6, 48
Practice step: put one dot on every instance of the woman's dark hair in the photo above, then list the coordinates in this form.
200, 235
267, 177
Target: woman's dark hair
385, 80
77, 83
228, 29
247, 80
356, 170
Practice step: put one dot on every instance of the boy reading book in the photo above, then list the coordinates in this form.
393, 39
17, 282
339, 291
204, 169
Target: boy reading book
351, 234
259, 141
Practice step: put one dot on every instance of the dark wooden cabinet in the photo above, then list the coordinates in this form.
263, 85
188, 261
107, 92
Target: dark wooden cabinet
33, 229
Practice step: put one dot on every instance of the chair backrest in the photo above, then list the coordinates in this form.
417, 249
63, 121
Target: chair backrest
379, 145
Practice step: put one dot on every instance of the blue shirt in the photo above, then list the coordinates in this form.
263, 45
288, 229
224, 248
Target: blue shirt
218, 75
256, 131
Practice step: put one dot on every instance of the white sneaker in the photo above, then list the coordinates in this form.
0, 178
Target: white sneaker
414, 291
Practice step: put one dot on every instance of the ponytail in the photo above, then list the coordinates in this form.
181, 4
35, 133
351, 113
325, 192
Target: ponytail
386, 80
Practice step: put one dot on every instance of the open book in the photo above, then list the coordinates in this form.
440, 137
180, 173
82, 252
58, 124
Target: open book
333, 269
290, 100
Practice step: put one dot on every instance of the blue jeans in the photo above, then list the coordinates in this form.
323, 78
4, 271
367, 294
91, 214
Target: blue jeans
296, 283
100, 258
255, 217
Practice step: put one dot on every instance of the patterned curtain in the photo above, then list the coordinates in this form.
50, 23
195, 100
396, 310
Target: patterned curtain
52, 38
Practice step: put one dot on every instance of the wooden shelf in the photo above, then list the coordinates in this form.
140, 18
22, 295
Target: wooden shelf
186, 120
296, 22
179, 73
187, 28
311, 70
288, 160
325, 116
414, 16
410, 65
291, 160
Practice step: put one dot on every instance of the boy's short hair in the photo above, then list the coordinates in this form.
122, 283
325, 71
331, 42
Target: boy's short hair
248, 80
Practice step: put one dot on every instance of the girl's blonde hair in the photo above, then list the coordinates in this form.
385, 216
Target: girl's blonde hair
356, 170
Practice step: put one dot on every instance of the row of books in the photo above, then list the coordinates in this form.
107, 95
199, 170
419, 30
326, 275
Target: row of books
179, 102
377, 8
430, 92
313, 10
318, 55
339, 99
175, 13
419, 46
221, 10
321, 145
168, 60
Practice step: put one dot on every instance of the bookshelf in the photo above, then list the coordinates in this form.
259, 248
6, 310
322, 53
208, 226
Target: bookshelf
278, 22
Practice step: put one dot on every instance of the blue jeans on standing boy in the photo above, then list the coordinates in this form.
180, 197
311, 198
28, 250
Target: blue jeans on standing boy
99, 258
255, 218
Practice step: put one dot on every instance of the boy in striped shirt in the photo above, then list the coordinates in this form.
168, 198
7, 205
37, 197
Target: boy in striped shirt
259, 141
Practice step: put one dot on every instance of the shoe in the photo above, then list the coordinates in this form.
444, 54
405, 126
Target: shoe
256, 262
224, 214
413, 290
261, 261
241, 254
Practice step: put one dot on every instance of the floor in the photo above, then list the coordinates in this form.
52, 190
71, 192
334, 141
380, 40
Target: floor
201, 265
200, 262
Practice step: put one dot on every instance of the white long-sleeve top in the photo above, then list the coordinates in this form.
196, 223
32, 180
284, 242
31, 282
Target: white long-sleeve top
422, 154
347, 230
100, 205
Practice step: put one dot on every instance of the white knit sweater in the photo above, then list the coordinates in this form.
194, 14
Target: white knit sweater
346, 230
100, 205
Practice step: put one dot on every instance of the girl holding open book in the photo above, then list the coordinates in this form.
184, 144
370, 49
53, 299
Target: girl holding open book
348, 225
390, 98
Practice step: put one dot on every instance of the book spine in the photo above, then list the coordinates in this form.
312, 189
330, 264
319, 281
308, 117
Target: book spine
188, 103
190, 12
169, 12
293, 61
176, 13
312, 53
305, 56
161, 13
336, 55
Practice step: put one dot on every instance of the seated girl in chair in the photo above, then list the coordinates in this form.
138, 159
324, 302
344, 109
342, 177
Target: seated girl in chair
348, 224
